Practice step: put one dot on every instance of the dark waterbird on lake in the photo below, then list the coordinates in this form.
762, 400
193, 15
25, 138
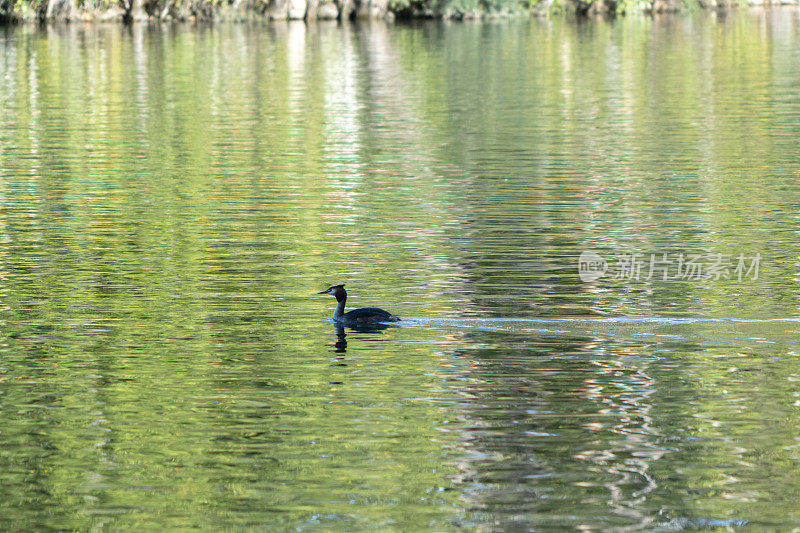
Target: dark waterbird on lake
356, 317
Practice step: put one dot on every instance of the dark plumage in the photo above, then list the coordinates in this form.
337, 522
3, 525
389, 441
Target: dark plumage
364, 315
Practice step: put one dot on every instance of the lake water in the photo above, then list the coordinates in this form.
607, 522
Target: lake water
172, 199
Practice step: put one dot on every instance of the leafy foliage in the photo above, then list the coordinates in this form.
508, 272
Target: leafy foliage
216, 9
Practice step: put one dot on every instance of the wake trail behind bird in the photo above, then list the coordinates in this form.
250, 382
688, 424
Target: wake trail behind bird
784, 331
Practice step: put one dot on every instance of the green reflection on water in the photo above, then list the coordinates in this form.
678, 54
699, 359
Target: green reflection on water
171, 200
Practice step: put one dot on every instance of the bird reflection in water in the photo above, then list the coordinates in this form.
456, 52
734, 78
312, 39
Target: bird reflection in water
341, 339
341, 335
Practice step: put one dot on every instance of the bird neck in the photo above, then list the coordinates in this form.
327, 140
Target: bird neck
340, 300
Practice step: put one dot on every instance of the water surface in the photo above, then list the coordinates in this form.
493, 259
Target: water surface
172, 198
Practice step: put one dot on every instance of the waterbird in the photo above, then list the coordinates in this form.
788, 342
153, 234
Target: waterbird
356, 317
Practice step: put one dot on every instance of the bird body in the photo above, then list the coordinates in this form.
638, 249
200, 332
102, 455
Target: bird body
364, 315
